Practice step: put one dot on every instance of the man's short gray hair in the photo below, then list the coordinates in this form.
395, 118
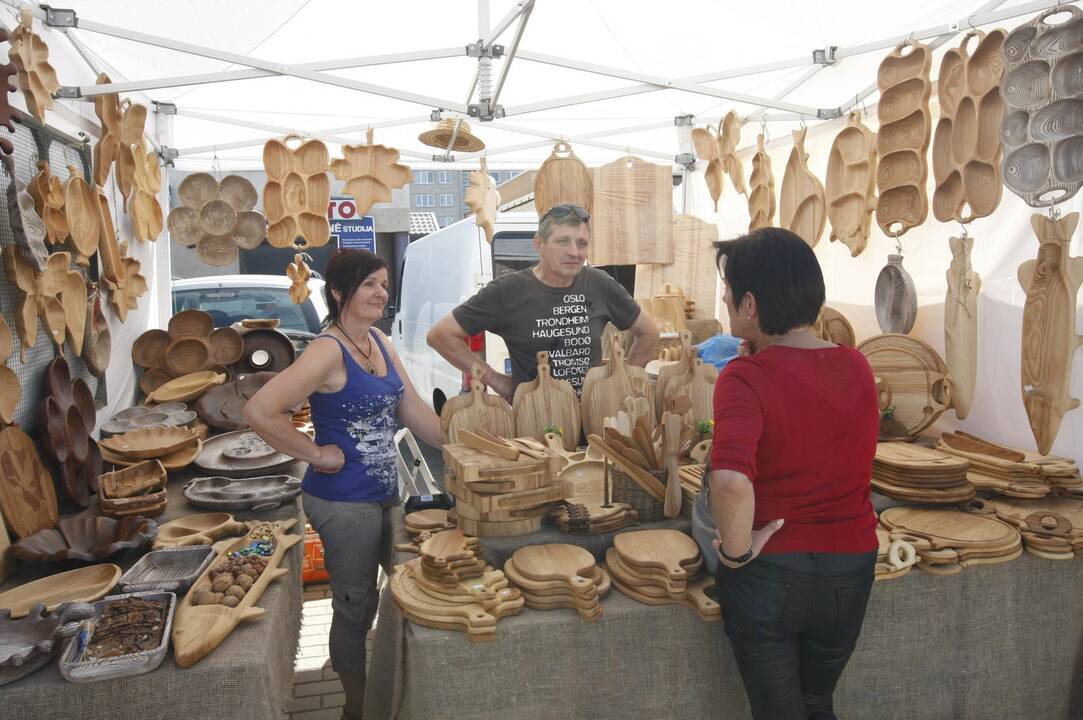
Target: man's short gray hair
566, 214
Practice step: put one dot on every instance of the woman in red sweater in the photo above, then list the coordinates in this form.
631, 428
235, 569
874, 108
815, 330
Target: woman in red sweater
788, 506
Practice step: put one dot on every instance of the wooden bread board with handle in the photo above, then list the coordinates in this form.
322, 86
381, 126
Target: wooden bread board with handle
583, 593
694, 595
946, 528
670, 552
198, 629
505, 502
605, 389
477, 409
570, 565
563, 178
424, 609
632, 220
918, 379
515, 528
693, 269
545, 402
1050, 340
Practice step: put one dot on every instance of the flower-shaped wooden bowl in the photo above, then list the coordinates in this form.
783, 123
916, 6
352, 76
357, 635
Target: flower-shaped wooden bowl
85, 539
217, 218
66, 416
190, 344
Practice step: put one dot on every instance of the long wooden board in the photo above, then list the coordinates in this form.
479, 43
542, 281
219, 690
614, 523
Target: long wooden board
632, 220
961, 325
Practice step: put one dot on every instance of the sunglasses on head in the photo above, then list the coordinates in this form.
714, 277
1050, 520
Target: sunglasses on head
566, 209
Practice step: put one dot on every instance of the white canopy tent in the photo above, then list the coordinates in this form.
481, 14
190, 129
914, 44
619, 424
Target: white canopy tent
611, 77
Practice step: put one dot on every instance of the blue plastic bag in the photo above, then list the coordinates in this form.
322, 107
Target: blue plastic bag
719, 350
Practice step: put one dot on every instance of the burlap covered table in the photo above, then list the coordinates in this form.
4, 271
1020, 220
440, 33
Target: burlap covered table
250, 675
999, 641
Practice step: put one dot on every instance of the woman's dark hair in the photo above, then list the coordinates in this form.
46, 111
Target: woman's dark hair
781, 272
345, 272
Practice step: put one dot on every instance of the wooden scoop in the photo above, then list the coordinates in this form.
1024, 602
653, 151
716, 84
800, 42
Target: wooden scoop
638, 474
672, 441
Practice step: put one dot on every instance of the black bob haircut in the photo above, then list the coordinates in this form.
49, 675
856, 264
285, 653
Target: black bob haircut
345, 272
781, 272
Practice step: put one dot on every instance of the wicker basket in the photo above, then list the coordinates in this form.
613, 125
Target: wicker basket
626, 490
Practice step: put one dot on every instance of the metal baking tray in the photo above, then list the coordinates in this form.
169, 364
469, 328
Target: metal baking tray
74, 669
169, 570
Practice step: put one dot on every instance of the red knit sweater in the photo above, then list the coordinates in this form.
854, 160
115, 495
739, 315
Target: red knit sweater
802, 425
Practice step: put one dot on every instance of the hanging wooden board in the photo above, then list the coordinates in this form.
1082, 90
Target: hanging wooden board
545, 402
918, 379
761, 199
483, 199
632, 220
1049, 342
477, 409
896, 297
297, 192
902, 141
831, 325
851, 184
604, 390
371, 172
1042, 131
563, 178
967, 151
961, 325
48, 194
693, 269
27, 497
81, 210
801, 207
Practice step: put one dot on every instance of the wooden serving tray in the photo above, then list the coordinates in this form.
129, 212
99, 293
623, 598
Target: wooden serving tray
902, 142
851, 184
967, 151
478, 409
1049, 342
666, 552
801, 202
85, 584
692, 270
201, 529
569, 565
150, 443
297, 192
950, 529
198, 629
470, 465
543, 402
562, 178
918, 379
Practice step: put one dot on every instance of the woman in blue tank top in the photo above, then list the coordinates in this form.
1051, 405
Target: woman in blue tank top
359, 394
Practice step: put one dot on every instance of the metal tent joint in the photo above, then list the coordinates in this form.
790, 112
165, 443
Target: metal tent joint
443, 158
825, 56
69, 92
60, 17
165, 108
485, 111
168, 155
685, 160
480, 50
829, 113
683, 121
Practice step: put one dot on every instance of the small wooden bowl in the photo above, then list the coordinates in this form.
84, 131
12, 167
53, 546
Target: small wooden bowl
226, 345
183, 224
187, 355
153, 379
190, 323
238, 192
197, 190
217, 217
217, 250
149, 349
250, 230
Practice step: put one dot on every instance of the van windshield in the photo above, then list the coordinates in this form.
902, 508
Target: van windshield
513, 251
228, 305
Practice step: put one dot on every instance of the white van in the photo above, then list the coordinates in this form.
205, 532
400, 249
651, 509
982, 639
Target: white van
440, 271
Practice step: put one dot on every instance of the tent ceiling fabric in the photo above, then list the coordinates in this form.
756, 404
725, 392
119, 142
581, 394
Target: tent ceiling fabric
691, 38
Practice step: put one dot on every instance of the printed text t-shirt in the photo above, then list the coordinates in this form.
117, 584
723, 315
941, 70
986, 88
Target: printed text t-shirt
565, 322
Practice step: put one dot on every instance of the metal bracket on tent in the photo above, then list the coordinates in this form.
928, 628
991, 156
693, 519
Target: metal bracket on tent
60, 17
685, 160
165, 108
69, 92
484, 112
828, 113
168, 155
682, 120
825, 56
443, 158
479, 50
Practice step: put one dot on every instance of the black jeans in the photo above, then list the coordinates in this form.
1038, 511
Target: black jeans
793, 620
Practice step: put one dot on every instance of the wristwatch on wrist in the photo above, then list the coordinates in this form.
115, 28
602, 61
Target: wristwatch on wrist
740, 559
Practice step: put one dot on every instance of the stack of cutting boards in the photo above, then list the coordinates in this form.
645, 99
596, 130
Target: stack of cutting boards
559, 576
501, 489
947, 539
450, 587
421, 525
662, 567
1009, 471
906, 471
1052, 527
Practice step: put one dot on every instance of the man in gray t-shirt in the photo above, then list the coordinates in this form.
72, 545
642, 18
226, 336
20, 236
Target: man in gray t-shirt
557, 306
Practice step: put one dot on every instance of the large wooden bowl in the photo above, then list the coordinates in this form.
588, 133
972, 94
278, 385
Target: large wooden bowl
85, 539
84, 584
150, 442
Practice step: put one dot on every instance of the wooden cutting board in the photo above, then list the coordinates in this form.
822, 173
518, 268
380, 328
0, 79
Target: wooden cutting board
693, 269
961, 325
1049, 342
1054, 515
27, 496
568, 564
545, 401
692, 378
917, 459
918, 379
421, 607
802, 208
605, 389
443, 547
563, 178
666, 551
632, 220
851, 184
948, 528
477, 409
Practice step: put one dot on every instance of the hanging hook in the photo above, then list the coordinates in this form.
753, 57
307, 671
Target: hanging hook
966, 231
898, 243
1054, 213
803, 125
970, 22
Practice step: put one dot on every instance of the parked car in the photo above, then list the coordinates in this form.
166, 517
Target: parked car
232, 298
440, 271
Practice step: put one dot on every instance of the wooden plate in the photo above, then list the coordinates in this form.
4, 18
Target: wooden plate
896, 297
150, 442
186, 387
212, 460
84, 584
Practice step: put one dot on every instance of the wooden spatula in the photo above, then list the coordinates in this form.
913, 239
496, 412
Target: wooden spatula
638, 474
672, 423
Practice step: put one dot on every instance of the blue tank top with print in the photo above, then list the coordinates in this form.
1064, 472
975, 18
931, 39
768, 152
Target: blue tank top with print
361, 419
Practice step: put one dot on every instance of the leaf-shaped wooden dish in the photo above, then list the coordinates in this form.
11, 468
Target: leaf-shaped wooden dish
150, 443
27, 496
85, 584
371, 172
187, 387
86, 539
802, 208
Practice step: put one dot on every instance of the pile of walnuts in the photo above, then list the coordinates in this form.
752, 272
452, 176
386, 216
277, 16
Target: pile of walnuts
230, 581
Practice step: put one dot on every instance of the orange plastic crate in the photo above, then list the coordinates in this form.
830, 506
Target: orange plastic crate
312, 569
